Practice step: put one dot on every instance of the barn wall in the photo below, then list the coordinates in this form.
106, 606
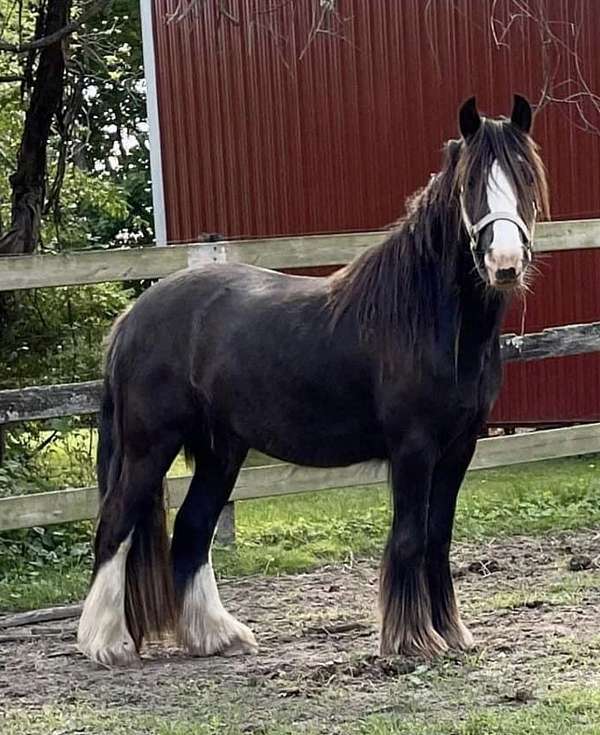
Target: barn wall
269, 128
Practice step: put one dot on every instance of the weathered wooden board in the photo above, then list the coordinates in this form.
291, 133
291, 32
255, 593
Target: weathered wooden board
68, 269
33, 617
282, 479
572, 339
51, 401
71, 399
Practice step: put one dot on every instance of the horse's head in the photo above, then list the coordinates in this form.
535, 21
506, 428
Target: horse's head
501, 187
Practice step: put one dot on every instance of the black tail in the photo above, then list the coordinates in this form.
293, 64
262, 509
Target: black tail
106, 447
149, 595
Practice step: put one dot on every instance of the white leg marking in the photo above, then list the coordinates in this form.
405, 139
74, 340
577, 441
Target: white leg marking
205, 628
103, 634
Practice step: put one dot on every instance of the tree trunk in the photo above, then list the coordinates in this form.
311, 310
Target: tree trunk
28, 183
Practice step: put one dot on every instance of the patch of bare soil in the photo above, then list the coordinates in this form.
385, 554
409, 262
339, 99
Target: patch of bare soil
533, 606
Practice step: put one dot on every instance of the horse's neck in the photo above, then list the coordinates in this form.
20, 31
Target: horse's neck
479, 322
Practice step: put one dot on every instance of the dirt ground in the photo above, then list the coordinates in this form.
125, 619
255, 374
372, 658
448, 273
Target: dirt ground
533, 606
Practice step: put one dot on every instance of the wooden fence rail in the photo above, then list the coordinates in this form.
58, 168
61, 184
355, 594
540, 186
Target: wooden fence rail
60, 506
96, 266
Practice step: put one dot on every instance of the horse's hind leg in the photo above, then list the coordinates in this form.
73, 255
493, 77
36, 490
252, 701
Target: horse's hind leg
130, 594
103, 635
204, 627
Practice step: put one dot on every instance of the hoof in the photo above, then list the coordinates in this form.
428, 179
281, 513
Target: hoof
458, 637
243, 644
222, 636
121, 653
424, 643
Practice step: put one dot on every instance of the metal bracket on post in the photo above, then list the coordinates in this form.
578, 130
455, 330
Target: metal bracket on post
207, 253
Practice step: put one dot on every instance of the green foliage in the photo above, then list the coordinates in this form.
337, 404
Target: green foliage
11, 122
56, 335
111, 126
17, 479
41, 565
98, 156
100, 146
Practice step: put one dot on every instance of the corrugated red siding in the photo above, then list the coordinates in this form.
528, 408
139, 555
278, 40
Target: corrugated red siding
265, 133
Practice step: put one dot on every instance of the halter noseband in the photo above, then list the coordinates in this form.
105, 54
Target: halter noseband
473, 230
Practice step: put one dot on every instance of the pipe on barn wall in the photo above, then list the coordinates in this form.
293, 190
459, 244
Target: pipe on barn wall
158, 194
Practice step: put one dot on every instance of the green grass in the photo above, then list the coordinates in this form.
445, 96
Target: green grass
570, 590
101, 722
570, 712
295, 533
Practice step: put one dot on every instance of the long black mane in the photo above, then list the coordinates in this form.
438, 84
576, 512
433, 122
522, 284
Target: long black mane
395, 290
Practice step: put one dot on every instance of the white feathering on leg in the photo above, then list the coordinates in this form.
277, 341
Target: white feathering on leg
103, 634
205, 628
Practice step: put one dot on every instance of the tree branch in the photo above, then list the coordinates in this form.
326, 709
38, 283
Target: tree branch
58, 35
559, 42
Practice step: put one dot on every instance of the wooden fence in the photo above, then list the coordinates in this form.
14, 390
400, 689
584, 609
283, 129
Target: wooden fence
79, 268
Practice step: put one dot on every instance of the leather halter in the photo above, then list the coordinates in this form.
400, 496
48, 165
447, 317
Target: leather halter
473, 230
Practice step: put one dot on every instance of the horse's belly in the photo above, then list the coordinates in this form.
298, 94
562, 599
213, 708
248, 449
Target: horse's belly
328, 445
311, 455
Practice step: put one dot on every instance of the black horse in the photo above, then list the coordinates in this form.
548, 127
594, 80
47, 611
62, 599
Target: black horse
394, 357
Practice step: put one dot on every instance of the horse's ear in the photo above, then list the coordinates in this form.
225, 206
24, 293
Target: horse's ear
469, 120
521, 115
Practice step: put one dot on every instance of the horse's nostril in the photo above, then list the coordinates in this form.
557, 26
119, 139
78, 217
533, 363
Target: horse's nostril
506, 274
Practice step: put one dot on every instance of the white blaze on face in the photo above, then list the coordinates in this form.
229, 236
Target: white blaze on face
506, 250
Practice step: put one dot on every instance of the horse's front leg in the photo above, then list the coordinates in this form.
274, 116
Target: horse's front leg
447, 479
407, 627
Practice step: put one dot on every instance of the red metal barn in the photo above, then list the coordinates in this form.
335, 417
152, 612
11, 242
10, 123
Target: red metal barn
281, 117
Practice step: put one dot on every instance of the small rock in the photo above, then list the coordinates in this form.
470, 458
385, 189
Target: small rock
523, 695
580, 562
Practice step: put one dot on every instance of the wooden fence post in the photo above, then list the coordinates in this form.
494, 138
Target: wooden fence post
226, 527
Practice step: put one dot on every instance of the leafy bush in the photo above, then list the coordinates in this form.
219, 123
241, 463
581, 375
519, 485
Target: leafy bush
54, 336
